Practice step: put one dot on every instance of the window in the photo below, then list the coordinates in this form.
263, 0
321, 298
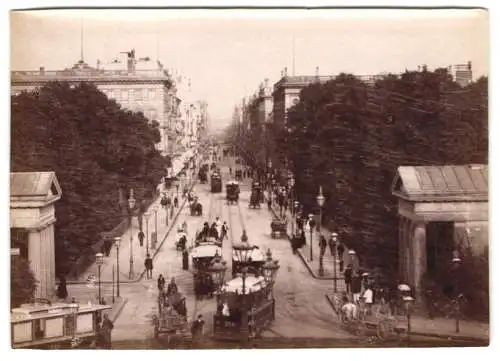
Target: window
111, 94
125, 94
144, 94
137, 94
152, 94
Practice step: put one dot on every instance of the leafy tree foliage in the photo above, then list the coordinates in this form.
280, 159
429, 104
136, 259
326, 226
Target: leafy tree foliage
95, 148
22, 282
350, 138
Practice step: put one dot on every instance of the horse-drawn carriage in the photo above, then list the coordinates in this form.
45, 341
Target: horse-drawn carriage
215, 183
202, 174
203, 255
232, 192
196, 208
250, 301
255, 261
172, 315
278, 228
256, 196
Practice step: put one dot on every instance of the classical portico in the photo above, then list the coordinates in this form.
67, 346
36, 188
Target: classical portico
32, 218
437, 206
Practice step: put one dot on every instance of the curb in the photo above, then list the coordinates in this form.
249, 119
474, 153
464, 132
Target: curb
429, 334
119, 309
299, 252
157, 250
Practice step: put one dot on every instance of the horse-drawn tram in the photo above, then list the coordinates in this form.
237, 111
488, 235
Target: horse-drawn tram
245, 304
216, 183
57, 325
256, 196
204, 255
232, 192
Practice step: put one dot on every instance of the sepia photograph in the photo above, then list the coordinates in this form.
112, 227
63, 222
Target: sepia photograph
249, 178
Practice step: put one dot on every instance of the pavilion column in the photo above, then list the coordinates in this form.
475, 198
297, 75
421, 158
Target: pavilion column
35, 259
407, 254
419, 246
42, 259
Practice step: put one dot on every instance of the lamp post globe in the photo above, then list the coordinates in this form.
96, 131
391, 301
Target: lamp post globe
320, 197
270, 268
243, 250
218, 271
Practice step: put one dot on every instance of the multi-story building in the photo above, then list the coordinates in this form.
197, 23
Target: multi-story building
137, 84
463, 74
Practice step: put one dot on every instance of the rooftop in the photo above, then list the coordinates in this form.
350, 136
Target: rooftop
467, 182
34, 186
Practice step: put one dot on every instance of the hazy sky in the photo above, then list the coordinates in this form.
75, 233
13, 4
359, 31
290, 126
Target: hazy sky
227, 53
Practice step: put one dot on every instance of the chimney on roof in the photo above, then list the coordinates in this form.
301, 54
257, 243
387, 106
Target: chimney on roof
469, 65
418, 68
42, 70
317, 72
286, 71
281, 74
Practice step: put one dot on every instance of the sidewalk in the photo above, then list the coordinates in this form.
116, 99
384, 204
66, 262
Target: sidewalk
138, 253
439, 327
329, 272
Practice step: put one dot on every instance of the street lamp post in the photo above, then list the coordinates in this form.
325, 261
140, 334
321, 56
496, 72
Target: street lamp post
117, 245
147, 215
218, 271
243, 251
294, 220
99, 261
334, 238
408, 300
321, 202
156, 227
131, 204
352, 253
270, 268
456, 260
310, 223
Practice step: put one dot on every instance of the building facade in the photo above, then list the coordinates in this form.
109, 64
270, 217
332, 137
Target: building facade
139, 85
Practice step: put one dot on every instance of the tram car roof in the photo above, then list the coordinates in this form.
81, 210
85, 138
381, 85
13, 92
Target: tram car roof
205, 250
252, 284
233, 183
256, 255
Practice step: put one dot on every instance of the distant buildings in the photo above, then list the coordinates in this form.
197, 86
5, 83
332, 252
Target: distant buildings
463, 74
137, 84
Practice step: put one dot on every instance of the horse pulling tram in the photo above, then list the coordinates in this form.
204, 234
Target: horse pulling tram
204, 255
278, 228
256, 196
56, 325
172, 315
232, 192
245, 304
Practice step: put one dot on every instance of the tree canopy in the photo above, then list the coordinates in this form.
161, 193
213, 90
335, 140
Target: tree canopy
95, 148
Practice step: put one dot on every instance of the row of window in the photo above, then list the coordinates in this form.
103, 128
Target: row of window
132, 94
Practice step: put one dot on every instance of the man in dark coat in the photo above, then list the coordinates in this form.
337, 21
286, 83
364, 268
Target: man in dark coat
62, 291
348, 278
148, 264
172, 287
161, 283
197, 329
105, 330
141, 237
322, 246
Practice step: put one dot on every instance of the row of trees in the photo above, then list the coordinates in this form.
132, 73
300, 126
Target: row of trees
350, 137
96, 150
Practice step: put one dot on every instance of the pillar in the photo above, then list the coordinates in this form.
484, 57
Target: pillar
419, 247
401, 246
42, 259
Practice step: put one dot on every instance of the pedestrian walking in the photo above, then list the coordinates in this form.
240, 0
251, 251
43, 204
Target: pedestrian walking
348, 278
322, 246
269, 203
332, 244
197, 330
356, 287
148, 264
176, 202
172, 287
161, 283
106, 328
140, 235
340, 251
224, 230
368, 300
62, 291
